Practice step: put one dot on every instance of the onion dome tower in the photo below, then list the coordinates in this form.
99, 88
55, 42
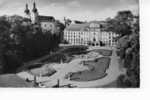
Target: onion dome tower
35, 13
27, 12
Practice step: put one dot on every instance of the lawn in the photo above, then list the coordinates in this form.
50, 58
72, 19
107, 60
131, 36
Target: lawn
104, 52
12, 80
97, 70
43, 71
63, 54
110, 85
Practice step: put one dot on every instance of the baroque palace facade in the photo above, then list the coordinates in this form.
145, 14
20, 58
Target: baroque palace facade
91, 33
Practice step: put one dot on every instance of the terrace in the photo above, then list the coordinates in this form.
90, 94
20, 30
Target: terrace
83, 69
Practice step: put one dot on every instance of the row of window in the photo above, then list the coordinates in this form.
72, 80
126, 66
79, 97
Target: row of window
110, 43
80, 33
101, 35
83, 38
88, 39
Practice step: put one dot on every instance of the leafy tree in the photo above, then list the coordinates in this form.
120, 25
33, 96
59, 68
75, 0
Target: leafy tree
128, 48
101, 43
4, 39
65, 42
21, 43
121, 24
67, 22
59, 29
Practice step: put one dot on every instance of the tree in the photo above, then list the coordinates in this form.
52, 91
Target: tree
101, 43
4, 39
65, 42
121, 24
67, 22
128, 47
59, 29
21, 43
127, 26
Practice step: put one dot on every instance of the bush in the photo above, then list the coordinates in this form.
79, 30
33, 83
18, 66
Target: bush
120, 81
25, 42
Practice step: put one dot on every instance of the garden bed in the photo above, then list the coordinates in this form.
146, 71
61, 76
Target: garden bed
97, 70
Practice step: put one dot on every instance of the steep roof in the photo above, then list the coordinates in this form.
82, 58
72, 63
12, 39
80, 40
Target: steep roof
77, 27
98, 22
84, 26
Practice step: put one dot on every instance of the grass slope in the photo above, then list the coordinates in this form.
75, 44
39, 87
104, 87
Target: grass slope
12, 80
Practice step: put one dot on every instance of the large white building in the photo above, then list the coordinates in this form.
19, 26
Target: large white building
91, 33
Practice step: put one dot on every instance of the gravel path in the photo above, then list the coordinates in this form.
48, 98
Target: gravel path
74, 66
113, 72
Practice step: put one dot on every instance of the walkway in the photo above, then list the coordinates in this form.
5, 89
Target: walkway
74, 66
113, 72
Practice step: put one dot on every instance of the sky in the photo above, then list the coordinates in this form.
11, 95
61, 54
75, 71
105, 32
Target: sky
84, 10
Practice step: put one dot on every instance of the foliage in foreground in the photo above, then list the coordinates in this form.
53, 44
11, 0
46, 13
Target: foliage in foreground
21, 43
127, 26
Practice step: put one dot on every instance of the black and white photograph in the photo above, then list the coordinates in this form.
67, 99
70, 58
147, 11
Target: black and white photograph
69, 44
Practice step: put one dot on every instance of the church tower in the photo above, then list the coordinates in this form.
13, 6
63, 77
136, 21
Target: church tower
35, 13
27, 12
